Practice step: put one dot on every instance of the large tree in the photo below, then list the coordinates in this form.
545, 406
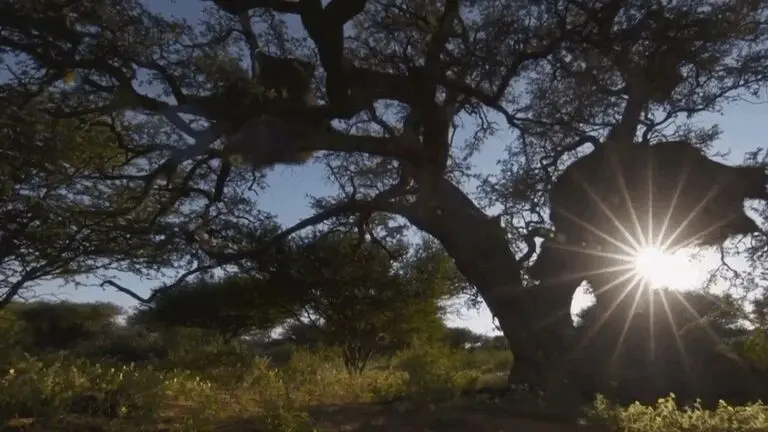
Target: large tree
396, 81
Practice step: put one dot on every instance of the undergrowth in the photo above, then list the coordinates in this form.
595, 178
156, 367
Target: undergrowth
59, 392
666, 416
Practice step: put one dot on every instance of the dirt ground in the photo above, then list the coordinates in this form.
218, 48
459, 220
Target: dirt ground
455, 416
452, 417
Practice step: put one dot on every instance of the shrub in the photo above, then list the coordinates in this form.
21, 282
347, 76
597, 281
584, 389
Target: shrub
665, 416
283, 416
435, 372
49, 388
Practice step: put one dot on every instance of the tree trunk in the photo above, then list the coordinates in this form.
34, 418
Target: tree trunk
479, 246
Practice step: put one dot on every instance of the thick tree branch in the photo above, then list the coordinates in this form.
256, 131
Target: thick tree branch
237, 6
401, 147
381, 202
13, 291
325, 27
530, 243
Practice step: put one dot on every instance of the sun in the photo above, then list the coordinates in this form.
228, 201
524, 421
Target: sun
666, 270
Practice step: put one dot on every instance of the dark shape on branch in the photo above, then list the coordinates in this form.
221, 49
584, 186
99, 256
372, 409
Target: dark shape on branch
603, 204
264, 141
671, 184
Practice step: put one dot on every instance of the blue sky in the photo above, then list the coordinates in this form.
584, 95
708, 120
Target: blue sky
745, 127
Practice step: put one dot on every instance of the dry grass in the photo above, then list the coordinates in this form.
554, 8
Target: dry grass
419, 390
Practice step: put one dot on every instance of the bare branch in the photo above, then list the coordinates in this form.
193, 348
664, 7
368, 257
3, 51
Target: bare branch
146, 300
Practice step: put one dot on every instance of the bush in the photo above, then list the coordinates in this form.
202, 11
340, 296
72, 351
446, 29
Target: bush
124, 346
49, 388
12, 339
205, 353
320, 377
133, 397
436, 372
665, 416
489, 360
284, 416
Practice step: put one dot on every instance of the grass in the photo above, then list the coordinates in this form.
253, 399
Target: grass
310, 392
665, 416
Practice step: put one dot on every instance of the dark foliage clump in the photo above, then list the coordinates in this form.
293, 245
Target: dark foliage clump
617, 199
673, 185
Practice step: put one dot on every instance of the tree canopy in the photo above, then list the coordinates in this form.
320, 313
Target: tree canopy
41, 326
367, 303
231, 306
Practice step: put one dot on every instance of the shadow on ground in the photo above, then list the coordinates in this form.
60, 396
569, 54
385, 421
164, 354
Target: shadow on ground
407, 417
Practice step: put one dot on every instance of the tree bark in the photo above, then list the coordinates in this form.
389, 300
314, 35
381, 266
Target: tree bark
479, 246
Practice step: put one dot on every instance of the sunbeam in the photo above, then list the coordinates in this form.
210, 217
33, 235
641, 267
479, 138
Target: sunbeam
666, 270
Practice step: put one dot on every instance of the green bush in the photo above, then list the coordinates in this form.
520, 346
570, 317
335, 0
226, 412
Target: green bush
49, 388
124, 346
320, 377
489, 360
283, 416
12, 339
665, 416
436, 372
205, 353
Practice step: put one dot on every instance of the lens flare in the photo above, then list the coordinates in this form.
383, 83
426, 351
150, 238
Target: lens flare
666, 270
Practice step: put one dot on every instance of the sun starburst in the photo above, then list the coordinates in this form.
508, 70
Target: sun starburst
660, 269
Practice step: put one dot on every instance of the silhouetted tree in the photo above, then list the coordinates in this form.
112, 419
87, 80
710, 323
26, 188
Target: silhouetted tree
462, 338
409, 93
366, 303
231, 306
63, 325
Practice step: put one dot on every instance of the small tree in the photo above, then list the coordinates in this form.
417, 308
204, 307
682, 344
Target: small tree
62, 325
229, 307
367, 303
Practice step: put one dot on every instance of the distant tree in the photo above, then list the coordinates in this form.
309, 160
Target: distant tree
760, 310
230, 307
63, 325
367, 303
303, 334
462, 338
